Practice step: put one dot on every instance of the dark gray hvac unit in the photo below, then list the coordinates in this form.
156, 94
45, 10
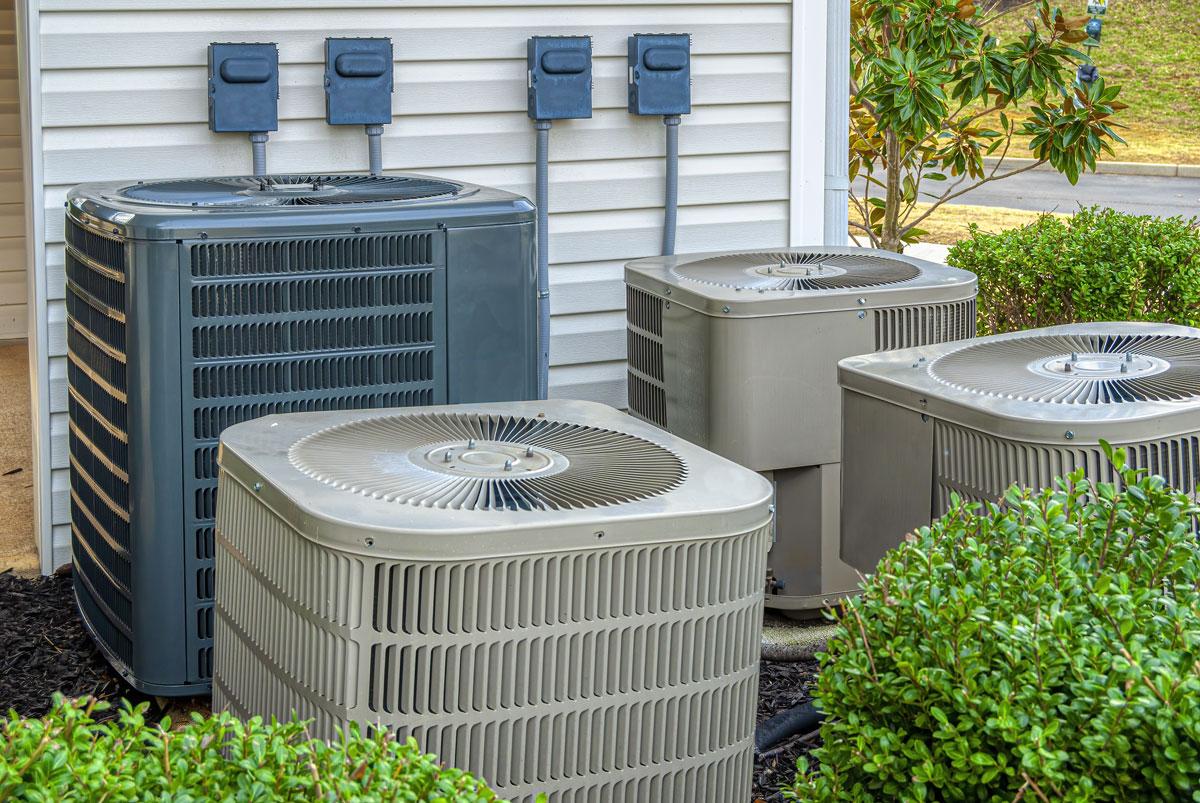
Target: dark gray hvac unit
196, 304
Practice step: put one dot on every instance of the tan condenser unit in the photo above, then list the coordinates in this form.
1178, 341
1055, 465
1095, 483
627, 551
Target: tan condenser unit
976, 417
738, 353
552, 594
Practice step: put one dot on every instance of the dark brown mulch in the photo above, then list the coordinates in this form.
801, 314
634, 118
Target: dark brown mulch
782, 685
44, 649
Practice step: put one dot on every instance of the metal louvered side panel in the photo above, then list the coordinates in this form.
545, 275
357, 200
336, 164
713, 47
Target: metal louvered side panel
624, 674
298, 325
907, 327
647, 388
980, 468
98, 437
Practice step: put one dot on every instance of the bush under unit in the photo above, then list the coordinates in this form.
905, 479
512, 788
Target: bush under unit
195, 304
975, 417
738, 352
552, 594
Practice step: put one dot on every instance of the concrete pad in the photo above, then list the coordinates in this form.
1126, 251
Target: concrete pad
18, 551
786, 639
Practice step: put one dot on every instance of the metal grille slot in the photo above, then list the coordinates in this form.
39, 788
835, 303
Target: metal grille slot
647, 389
210, 421
274, 297
95, 267
301, 256
312, 373
311, 335
97, 247
907, 327
980, 467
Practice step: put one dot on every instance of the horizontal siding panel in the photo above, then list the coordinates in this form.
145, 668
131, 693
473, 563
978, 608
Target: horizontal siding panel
180, 38
60, 545
58, 440
58, 383
579, 339
602, 382
170, 95
12, 288
60, 496
72, 155
155, 5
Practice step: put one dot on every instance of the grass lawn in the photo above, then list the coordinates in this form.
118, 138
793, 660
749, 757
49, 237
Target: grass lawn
949, 224
1152, 49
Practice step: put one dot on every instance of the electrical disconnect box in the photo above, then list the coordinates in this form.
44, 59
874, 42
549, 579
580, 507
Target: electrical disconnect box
560, 77
358, 81
660, 73
243, 87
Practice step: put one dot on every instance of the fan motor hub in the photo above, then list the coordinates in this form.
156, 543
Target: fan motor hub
484, 458
816, 270
1100, 365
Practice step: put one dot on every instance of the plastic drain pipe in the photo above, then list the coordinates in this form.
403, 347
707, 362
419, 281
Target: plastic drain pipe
671, 121
542, 199
801, 719
258, 142
375, 148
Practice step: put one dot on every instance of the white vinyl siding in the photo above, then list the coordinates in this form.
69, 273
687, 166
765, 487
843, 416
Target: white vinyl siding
123, 97
12, 189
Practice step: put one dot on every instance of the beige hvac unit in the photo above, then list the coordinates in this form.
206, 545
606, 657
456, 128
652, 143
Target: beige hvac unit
553, 595
738, 353
976, 417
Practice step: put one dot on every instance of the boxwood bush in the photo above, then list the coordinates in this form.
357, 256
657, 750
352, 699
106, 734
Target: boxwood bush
1046, 651
1097, 265
68, 756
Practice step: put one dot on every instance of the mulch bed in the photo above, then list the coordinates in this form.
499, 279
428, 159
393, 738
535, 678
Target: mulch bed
782, 685
44, 649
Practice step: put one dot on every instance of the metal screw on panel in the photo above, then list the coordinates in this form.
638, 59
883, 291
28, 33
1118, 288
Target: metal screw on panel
529, 451
1070, 435
258, 486
1074, 356
770, 508
446, 457
471, 443
370, 542
862, 301
862, 314
357, 229
770, 269
727, 309
668, 291
1129, 356
203, 235
668, 305
924, 418
600, 534
508, 464
1125, 369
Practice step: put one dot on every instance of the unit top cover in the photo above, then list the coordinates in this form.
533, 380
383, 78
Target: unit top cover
486, 479
789, 280
1081, 382
274, 205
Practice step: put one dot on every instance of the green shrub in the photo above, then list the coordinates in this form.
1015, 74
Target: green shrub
67, 756
1046, 651
1097, 265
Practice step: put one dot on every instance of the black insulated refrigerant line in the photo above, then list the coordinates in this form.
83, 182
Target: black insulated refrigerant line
559, 81
660, 83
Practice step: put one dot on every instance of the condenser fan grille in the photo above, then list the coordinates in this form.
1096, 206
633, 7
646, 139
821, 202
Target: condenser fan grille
1077, 369
792, 270
289, 190
466, 461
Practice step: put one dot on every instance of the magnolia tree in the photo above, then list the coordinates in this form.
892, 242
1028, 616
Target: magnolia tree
934, 91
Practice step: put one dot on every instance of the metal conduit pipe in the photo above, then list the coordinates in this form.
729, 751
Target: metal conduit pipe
258, 142
542, 199
375, 148
671, 121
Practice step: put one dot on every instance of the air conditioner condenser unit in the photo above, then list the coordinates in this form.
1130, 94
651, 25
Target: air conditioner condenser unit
553, 595
975, 417
195, 304
738, 353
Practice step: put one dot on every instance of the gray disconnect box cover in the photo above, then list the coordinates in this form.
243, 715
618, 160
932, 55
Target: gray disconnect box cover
196, 304
243, 87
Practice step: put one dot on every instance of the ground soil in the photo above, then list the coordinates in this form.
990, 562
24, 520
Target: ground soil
44, 649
